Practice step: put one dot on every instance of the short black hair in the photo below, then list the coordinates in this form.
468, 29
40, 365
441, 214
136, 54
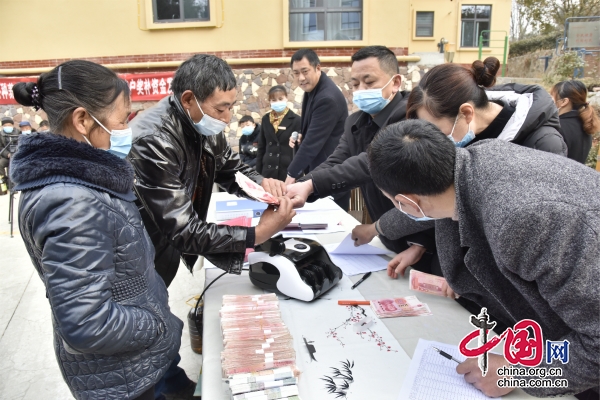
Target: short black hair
276, 89
44, 123
412, 157
387, 59
203, 74
309, 54
246, 118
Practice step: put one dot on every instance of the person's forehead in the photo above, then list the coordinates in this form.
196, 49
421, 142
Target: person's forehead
302, 64
220, 97
369, 67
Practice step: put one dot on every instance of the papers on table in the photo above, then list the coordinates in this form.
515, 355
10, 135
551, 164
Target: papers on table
432, 376
355, 264
333, 223
325, 204
356, 260
347, 247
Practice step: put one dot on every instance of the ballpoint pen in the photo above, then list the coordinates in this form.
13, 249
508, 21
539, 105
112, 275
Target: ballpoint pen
446, 355
365, 276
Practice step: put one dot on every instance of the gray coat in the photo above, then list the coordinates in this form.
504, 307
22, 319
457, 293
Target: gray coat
529, 233
114, 335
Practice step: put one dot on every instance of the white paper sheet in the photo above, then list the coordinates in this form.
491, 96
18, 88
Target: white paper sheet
325, 204
432, 376
356, 264
340, 334
347, 247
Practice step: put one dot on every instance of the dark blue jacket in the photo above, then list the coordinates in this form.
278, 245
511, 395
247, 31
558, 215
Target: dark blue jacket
114, 333
324, 112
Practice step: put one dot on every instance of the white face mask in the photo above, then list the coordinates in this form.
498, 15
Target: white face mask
208, 126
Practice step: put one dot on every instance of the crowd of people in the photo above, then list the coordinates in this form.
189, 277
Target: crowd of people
478, 183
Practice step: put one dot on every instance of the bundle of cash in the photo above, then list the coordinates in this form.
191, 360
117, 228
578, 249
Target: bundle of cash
258, 353
426, 283
408, 306
254, 190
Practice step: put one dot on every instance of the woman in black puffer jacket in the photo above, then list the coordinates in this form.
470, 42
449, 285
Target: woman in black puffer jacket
114, 333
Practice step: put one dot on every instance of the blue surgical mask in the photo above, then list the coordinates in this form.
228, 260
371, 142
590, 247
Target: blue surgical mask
120, 140
208, 126
278, 106
371, 101
25, 132
423, 218
247, 130
8, 129
465, 140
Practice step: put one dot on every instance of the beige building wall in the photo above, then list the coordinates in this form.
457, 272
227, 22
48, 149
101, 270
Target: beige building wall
59, 29
447, 24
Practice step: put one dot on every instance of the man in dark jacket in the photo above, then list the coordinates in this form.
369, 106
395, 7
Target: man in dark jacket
373, 67
8, 141
533, 123
529, 224
324, 111
177, 160
249, 140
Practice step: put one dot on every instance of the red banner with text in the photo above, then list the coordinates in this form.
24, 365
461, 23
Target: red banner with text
150, 86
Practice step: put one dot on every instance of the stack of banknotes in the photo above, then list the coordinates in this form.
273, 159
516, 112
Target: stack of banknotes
254, 190
427, 283
408, 306
258, 353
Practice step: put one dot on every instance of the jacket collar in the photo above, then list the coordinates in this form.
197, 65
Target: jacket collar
47, 158
570, 114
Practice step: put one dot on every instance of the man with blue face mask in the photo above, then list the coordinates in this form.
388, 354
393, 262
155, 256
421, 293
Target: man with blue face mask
248, 140
8, 129
376, 85
178, 153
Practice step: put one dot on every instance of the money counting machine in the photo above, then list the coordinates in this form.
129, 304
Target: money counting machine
295, 267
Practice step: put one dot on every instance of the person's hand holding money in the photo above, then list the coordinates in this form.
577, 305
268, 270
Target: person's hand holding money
274, 219
405, 259
274, 186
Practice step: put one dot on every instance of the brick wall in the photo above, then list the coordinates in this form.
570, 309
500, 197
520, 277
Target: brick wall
253, 86
331, 51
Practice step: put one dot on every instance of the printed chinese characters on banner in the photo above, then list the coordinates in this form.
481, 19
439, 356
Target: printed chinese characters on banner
150, 86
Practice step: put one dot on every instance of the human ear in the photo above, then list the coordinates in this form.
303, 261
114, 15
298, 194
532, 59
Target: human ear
467, 111
81, 121
187, 99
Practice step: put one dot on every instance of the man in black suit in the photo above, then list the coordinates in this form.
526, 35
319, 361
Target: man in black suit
324, 112
376, 82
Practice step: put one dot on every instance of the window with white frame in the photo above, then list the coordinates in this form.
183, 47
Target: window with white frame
424, 24
165, 11
474, 20
324, 20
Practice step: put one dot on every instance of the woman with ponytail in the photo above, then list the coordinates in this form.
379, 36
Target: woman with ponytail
578, 120
114, 335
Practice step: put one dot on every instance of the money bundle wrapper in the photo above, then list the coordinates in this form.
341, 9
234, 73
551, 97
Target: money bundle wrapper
254, 190
408, 306
258, 354
426, 283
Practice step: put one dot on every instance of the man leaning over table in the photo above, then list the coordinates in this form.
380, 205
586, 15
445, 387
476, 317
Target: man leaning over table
178, 152
530, 225
376, 81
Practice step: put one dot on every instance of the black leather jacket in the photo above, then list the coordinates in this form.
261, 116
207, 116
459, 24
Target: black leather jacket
175, 169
